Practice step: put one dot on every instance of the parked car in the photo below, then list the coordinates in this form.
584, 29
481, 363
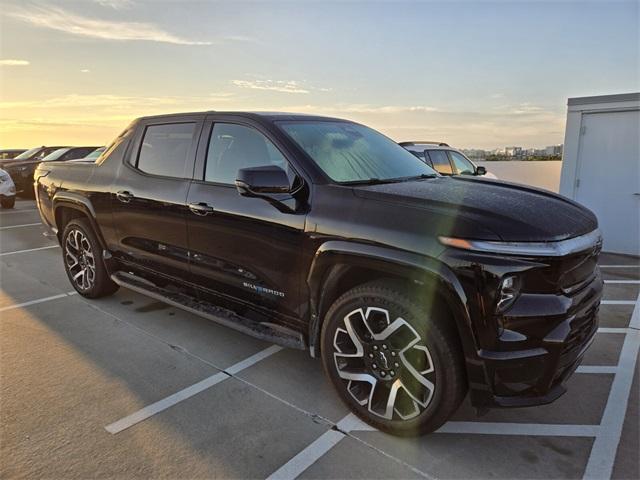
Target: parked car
21, 168
7, 190
69, 153
9, 153
445, 159
323, 234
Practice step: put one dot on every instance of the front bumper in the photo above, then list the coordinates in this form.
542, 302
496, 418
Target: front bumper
556, 330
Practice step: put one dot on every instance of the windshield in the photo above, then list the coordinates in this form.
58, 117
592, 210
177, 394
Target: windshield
55, 155
348, 152
27, 155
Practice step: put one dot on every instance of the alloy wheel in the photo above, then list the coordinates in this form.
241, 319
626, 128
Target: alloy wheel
79, 259
386, 366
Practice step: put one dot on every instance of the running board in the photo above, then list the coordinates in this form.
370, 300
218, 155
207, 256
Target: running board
263, 331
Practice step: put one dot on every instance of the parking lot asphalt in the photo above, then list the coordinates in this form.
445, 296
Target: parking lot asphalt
129, 387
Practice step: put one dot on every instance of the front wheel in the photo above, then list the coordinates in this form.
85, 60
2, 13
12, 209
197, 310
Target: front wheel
83, 260
395, 362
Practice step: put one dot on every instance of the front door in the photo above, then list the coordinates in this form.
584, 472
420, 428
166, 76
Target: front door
149, 197
608, 180
243, 249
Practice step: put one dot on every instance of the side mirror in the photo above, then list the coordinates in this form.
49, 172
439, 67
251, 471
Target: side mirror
258, 181
481, 171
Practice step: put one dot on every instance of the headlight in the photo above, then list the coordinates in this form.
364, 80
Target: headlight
592, 240
507, 293
4, 177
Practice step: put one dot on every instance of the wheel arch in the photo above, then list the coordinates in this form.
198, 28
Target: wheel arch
339, 266
69, 205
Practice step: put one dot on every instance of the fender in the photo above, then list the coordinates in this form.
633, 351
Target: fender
81, 203
334, 257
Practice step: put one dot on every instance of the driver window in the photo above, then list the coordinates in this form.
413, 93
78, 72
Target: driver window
232, 147
461, 164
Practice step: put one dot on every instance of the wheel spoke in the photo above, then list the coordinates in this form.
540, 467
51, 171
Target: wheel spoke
384, 364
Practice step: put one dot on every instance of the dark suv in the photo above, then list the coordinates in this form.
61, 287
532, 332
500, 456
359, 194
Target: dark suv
322, 234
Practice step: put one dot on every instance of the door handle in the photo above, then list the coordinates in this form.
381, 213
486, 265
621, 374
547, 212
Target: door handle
124, 196
201, 208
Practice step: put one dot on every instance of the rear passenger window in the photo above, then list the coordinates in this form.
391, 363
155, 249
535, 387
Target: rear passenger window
165, 149
440, 161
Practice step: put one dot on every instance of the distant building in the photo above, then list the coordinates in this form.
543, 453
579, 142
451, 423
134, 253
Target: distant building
553, 150
513, 151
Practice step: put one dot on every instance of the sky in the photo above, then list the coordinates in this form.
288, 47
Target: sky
474, 74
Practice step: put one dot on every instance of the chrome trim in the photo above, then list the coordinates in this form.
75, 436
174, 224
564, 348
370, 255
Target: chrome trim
592, 240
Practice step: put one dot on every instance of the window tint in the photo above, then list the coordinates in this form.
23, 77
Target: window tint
461, 164
165, 149
440, 161
232, 147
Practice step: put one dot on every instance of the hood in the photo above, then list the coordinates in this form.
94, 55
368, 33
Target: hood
514, 213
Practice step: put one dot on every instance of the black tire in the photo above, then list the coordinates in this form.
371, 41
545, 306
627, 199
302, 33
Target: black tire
81, 251
409, 363
8, 202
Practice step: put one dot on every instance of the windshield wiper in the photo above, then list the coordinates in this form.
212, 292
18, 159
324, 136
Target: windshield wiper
370, 181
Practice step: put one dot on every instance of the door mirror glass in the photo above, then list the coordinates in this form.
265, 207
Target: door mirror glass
481, 170
269, 179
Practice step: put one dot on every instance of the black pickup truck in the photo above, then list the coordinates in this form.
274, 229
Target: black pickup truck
322, 234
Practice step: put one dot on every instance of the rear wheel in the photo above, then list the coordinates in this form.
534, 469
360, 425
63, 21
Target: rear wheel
8, 202
396, 363
83, 260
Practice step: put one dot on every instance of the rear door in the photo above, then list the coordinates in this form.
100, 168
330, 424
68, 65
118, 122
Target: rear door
243, 249
149, 196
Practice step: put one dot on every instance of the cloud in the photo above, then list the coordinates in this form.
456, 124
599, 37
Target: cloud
10, 62
497, 95
115, 4
273, 85
55, 18
85, 70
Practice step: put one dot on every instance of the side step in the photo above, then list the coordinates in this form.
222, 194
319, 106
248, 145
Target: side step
263, 331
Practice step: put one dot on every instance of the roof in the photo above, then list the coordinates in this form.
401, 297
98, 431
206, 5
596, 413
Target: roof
253, 114
621, 97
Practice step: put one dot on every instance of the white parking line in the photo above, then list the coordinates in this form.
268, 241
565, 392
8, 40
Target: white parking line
614, 282
20, 226
307, 457
605, 446
612, 330
617, 302
188, 392
597, 369
39, 300
28, 250
619, 266
19, 211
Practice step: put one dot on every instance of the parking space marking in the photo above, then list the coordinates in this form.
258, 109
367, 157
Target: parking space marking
597, 369
612, 330
605, 446
171, 400
619, 266
307, 457
35, 302
617, 282
28, 250
19, 211
20, 226
617, 302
